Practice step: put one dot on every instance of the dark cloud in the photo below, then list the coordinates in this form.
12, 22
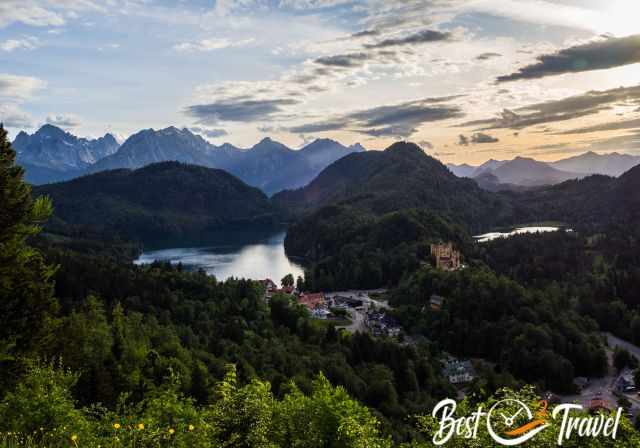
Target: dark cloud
477, 138
421, 37
243, 110
211, 133
602, 54
400, 120
487, 56
480, 137
559, 110
344, 60
366, 33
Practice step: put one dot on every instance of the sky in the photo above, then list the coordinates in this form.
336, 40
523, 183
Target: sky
468, 80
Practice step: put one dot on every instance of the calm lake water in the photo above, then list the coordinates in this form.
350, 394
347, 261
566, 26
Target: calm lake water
518, 230
248, 257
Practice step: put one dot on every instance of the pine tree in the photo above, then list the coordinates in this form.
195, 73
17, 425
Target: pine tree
26, 287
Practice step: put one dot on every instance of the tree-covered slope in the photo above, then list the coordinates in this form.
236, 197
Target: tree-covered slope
158, 202
368, 218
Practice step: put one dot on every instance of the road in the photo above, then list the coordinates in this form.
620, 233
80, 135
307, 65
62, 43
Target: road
604, 387
614, 342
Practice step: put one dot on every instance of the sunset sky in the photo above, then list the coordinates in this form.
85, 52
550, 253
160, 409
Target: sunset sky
468, 80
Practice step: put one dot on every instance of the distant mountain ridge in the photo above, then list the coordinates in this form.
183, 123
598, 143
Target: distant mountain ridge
52, 154
528, 172
268, 165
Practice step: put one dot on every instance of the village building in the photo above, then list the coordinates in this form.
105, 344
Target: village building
457, 371
312, 300
446, 257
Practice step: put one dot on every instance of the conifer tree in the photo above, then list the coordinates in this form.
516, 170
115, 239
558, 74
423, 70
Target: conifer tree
26, 287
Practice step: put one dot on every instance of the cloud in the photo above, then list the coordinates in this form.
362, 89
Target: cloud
19, 88
211, 44
602, 54
487, 56
425, 144
612, 126
12, 117
25, 43
64, 120
400, 120
344, 60
240, 109
480, 137
477, 138
211, 133
28, 13
421, 37
559, 110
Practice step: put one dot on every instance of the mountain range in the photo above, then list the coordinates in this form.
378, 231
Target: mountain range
52, 155
528, 172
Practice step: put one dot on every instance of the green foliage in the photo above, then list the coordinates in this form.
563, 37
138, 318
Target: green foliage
623, 359
158, 203
26, 302
287, 280
536, 335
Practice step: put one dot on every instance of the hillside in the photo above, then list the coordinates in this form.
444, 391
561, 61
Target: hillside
593, 202
159, 202
369, 217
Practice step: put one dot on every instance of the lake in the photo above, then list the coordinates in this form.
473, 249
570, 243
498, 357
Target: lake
251, 256
518, 230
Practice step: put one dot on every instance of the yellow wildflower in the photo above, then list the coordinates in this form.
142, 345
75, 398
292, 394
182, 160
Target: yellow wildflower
74, 438
116, 426
140, 426
191, 427
171, 430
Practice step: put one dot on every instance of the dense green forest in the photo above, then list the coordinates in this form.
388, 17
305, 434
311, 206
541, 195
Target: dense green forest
95, 351
160, 202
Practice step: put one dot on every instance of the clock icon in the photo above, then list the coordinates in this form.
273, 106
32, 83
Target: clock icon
510, 422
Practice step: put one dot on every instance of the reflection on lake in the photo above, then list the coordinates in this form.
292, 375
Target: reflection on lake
518, 230
264, 258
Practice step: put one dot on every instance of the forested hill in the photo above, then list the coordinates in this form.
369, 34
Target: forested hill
595, 202
158, 202
401, 177
368, 218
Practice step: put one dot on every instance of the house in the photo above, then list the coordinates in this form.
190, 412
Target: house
457, 371
436, 302
312, 300
446, 257
346, 301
